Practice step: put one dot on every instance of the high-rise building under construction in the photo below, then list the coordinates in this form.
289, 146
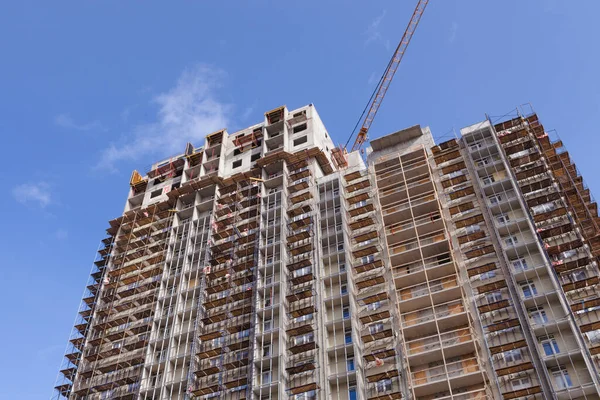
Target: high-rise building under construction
253, 267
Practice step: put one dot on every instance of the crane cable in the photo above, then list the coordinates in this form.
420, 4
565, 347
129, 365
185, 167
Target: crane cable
370, 99
384, 82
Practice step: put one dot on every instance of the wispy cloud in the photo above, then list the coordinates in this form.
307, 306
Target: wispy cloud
61, 234
552, 6
186, 113
247, 113
372, 79
126, 113
373, 33
37, 193
388, 45
453, 32
65, 121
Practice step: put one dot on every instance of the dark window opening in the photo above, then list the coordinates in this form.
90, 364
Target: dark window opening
300, 128
155, 193
237, 163
237, 152
255, 157
301, 140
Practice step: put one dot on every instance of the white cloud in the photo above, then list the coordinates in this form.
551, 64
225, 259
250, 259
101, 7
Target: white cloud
33, 193
65, 121
186, 113
372, 31
453, 31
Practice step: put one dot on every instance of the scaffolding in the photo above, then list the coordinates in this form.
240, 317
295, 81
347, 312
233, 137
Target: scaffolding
454, 273
565, 217
376, 315
487, 277
302, 328
121, 301
438, 338
227, 329
74, 351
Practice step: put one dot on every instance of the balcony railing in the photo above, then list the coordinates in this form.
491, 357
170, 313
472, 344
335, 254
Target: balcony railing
386, 192
430, 313
408, 204
434, 342
404, 247
454, 369
428, 263
424, 289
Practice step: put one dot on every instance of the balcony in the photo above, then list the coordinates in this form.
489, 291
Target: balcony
301, 196
299, 248
362, 223
477, 148
367, 264
459, 195
588, 282
299, 173
105, 382
447, 315
300, 221
434, 243
524, 157
522, 393
364, 249
369, 336
512, 134
303, 347
361, 208
455, 342
349, 177
476, 252
302, 276
411, 273
298, 210
359, 183
418, 296
298, 235
459, 374
298, 295
300, 184
447, 157
357, 197
518, 145
414, 188
455, 369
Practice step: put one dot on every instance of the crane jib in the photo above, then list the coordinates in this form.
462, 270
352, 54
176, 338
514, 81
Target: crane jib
389, 73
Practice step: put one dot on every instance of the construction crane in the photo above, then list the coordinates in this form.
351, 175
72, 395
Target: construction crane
339, 153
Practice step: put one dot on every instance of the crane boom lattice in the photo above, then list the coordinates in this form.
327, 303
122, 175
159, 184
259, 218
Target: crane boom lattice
339, 153
390, 71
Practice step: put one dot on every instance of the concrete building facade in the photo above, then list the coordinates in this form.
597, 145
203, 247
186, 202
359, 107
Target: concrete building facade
253, 267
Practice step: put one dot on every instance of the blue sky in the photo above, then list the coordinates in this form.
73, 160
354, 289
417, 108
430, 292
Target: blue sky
93, 90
